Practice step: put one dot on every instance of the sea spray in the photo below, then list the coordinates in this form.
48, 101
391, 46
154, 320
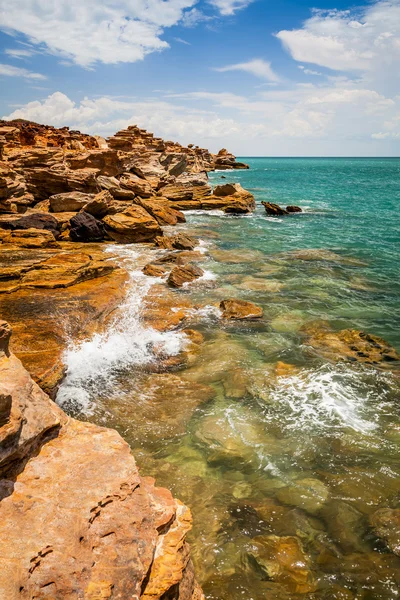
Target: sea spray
94, 364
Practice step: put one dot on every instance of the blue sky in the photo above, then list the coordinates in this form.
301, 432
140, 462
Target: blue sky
259, 77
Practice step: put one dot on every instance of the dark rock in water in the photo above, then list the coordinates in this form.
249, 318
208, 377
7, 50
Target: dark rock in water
33, 221
240, 309
274, 209
223, 177
85, 228
386, 524
185, 274
293, 209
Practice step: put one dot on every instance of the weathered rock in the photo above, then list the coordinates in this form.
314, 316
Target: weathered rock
226, 160
293, 209
154, 270
138, 185
240, 309
69, 201
133, 225
227, 189
351, 345
33, 221
85, 228
386, 525
30, 238
274, 209
161, 210
184, 274
100, 205
231, 198
177, 242
96, 528
282, 559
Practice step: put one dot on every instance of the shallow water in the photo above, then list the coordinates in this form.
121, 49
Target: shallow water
258, 433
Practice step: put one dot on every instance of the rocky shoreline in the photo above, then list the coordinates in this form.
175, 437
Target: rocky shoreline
97, 529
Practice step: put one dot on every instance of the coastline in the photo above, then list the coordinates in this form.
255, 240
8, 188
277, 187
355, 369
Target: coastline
186, 375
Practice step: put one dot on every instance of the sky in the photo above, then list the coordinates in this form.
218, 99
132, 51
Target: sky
259, 77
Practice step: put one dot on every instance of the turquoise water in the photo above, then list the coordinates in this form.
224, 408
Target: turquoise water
351, 207
283, 453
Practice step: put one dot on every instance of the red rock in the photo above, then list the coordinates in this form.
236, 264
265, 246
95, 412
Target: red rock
184, 274
133, 225
240, 309
274, 209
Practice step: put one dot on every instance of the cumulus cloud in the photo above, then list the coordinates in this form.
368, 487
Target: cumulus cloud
258, 67
11, 71
366, 41
229, 7
110, 31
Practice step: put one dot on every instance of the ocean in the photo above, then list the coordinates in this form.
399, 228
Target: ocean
284, 454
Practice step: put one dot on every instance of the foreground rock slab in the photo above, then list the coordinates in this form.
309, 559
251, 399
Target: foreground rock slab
76, 518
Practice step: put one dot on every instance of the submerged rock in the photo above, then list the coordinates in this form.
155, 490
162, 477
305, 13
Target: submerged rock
351, 345
386, 524
308, 494
282, 559
240, 309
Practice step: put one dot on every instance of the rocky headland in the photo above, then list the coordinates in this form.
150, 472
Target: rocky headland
77, 519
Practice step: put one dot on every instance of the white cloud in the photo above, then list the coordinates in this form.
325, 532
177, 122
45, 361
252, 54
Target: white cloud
109, 31
341, 40
181, 41
309, 71
10, 71
258, 67
18, 52
229, 7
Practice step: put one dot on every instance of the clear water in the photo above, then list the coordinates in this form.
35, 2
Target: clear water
309, 449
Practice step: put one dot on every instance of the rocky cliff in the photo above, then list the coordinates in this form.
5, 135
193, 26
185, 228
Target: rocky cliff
76, 518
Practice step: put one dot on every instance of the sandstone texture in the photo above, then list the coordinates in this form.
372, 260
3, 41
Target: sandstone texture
76, 518
233, 308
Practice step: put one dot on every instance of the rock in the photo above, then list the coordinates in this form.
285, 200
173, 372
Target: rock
308, 494
100, 205
96, 528
31, 238
69, 201
231, 198
282, 559
293, 209
139, 186
177, 242
185, 274
34, 221
154, 270
274, 209
133, 225
85, 228
227, 189
160, 209
346, 525
240, 309
319, 254
386, 525
351, 345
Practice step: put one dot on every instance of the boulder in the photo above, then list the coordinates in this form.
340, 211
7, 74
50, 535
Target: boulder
69, 202
85, 228
160, 209
100, 205
133, 225
282, 559
293, 209
231, 198
33, 221
31, 238
386, 525
240, 309
308, 494
138, 185
227, 189
154, 270
274, 209
184, 274
176, 242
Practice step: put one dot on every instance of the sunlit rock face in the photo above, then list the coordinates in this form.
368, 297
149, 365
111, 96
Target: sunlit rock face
79, 518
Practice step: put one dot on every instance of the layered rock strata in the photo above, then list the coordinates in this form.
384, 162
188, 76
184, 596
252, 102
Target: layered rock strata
76, 518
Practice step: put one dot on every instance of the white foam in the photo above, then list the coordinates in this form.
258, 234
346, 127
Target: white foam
327, 398
93, 364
